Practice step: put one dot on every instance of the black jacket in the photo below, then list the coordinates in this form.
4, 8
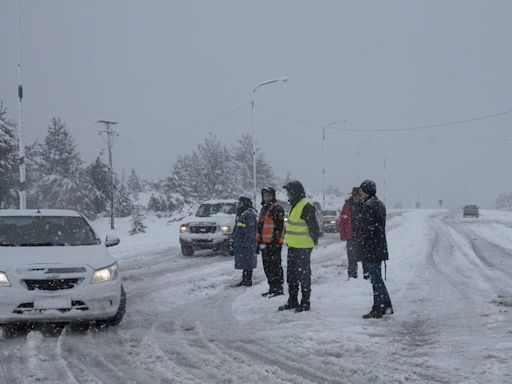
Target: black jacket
374, 246
356, 210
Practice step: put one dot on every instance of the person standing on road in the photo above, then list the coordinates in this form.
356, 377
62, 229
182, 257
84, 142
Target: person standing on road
349, 224
270, 240
243, 240
301, 236
374, 248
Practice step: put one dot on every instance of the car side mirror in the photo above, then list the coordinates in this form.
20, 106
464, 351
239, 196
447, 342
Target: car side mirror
111, 240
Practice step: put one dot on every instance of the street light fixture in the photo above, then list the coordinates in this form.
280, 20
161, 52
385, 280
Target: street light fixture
357, 159
327, 126
284, 79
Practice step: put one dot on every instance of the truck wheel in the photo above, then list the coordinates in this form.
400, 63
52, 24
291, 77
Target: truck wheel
187, 250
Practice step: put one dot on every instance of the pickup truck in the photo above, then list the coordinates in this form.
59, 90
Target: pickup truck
209, 228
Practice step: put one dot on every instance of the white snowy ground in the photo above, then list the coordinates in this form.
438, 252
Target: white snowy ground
449, 279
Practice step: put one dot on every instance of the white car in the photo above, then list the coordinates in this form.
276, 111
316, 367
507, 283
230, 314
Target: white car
54, 268
210, 228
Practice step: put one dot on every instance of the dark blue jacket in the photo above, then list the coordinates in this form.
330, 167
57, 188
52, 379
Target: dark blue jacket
244, 240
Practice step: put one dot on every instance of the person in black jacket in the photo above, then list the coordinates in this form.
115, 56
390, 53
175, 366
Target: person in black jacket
374, 248
270, 240
301, 235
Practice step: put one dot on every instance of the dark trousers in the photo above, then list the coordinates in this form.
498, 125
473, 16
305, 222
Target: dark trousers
354, 255
298, 274
381, 299
247, 276
271, 257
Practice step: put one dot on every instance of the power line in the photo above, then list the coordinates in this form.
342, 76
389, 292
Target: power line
187, 130
417, 128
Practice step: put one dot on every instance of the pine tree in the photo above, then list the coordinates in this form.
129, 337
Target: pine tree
60, 167
8, 160
95, 181
124, 205
243, 158
138, 221
135, 183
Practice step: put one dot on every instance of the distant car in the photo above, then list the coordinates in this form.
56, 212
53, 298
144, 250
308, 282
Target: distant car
210, 228
54, 268
330, 220
470, 210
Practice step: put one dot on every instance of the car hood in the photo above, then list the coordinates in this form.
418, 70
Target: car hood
95, 256
215, 219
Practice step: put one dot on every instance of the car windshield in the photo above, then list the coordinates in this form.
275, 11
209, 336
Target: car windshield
206, 210
33, 231
330, 213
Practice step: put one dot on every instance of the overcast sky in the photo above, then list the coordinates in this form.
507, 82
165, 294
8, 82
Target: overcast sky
162, 68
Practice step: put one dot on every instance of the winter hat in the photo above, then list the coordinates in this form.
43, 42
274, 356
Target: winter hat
295, 188
369, 187
270, 190
246, 202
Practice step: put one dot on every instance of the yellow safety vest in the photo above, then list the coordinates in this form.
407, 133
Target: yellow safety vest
297, 232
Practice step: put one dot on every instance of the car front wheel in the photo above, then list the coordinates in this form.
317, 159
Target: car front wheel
116, 319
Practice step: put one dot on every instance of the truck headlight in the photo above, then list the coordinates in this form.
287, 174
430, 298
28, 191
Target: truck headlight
4, 281
105, 274
226, 229
183, 228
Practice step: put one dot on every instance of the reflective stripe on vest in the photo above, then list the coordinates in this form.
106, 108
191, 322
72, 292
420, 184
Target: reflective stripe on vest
297, 232
267, 232
243, 225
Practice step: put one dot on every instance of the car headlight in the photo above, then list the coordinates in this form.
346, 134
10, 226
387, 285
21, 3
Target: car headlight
183, 228
105, 274
225, 229
285, 219
4, 281
333, 222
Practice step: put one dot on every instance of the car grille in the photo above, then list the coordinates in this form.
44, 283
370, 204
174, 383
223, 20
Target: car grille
52, 285
202, 229
27, 308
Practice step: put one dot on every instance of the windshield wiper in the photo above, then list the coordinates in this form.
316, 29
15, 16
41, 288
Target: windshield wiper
46, 244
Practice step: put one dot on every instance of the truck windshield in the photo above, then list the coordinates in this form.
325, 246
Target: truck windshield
36, 231
206, 210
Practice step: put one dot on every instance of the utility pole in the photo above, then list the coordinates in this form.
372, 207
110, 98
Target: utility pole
21, 144
110, 141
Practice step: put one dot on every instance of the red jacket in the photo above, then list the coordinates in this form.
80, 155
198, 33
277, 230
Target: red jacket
345, 222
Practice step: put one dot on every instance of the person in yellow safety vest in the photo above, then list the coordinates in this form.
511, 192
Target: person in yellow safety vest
270, 238
301, 236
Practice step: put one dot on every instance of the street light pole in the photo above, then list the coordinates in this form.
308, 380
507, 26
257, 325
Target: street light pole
330, 125
357, 157
21, 143
384, 178
284, 79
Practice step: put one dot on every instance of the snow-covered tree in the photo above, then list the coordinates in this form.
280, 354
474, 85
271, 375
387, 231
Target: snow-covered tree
124, 205
244, 162
8, 160
504, 202
138, 221
134, 183
59, 166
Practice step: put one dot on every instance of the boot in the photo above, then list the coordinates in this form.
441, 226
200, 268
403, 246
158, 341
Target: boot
388, 311
277, 292
304, 306
269, 292
248, 277
292, 302
288, 306
373, 314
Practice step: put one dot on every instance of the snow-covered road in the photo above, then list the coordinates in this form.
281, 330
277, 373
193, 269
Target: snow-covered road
449, 279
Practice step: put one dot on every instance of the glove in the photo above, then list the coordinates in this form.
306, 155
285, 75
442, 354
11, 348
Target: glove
231, 251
